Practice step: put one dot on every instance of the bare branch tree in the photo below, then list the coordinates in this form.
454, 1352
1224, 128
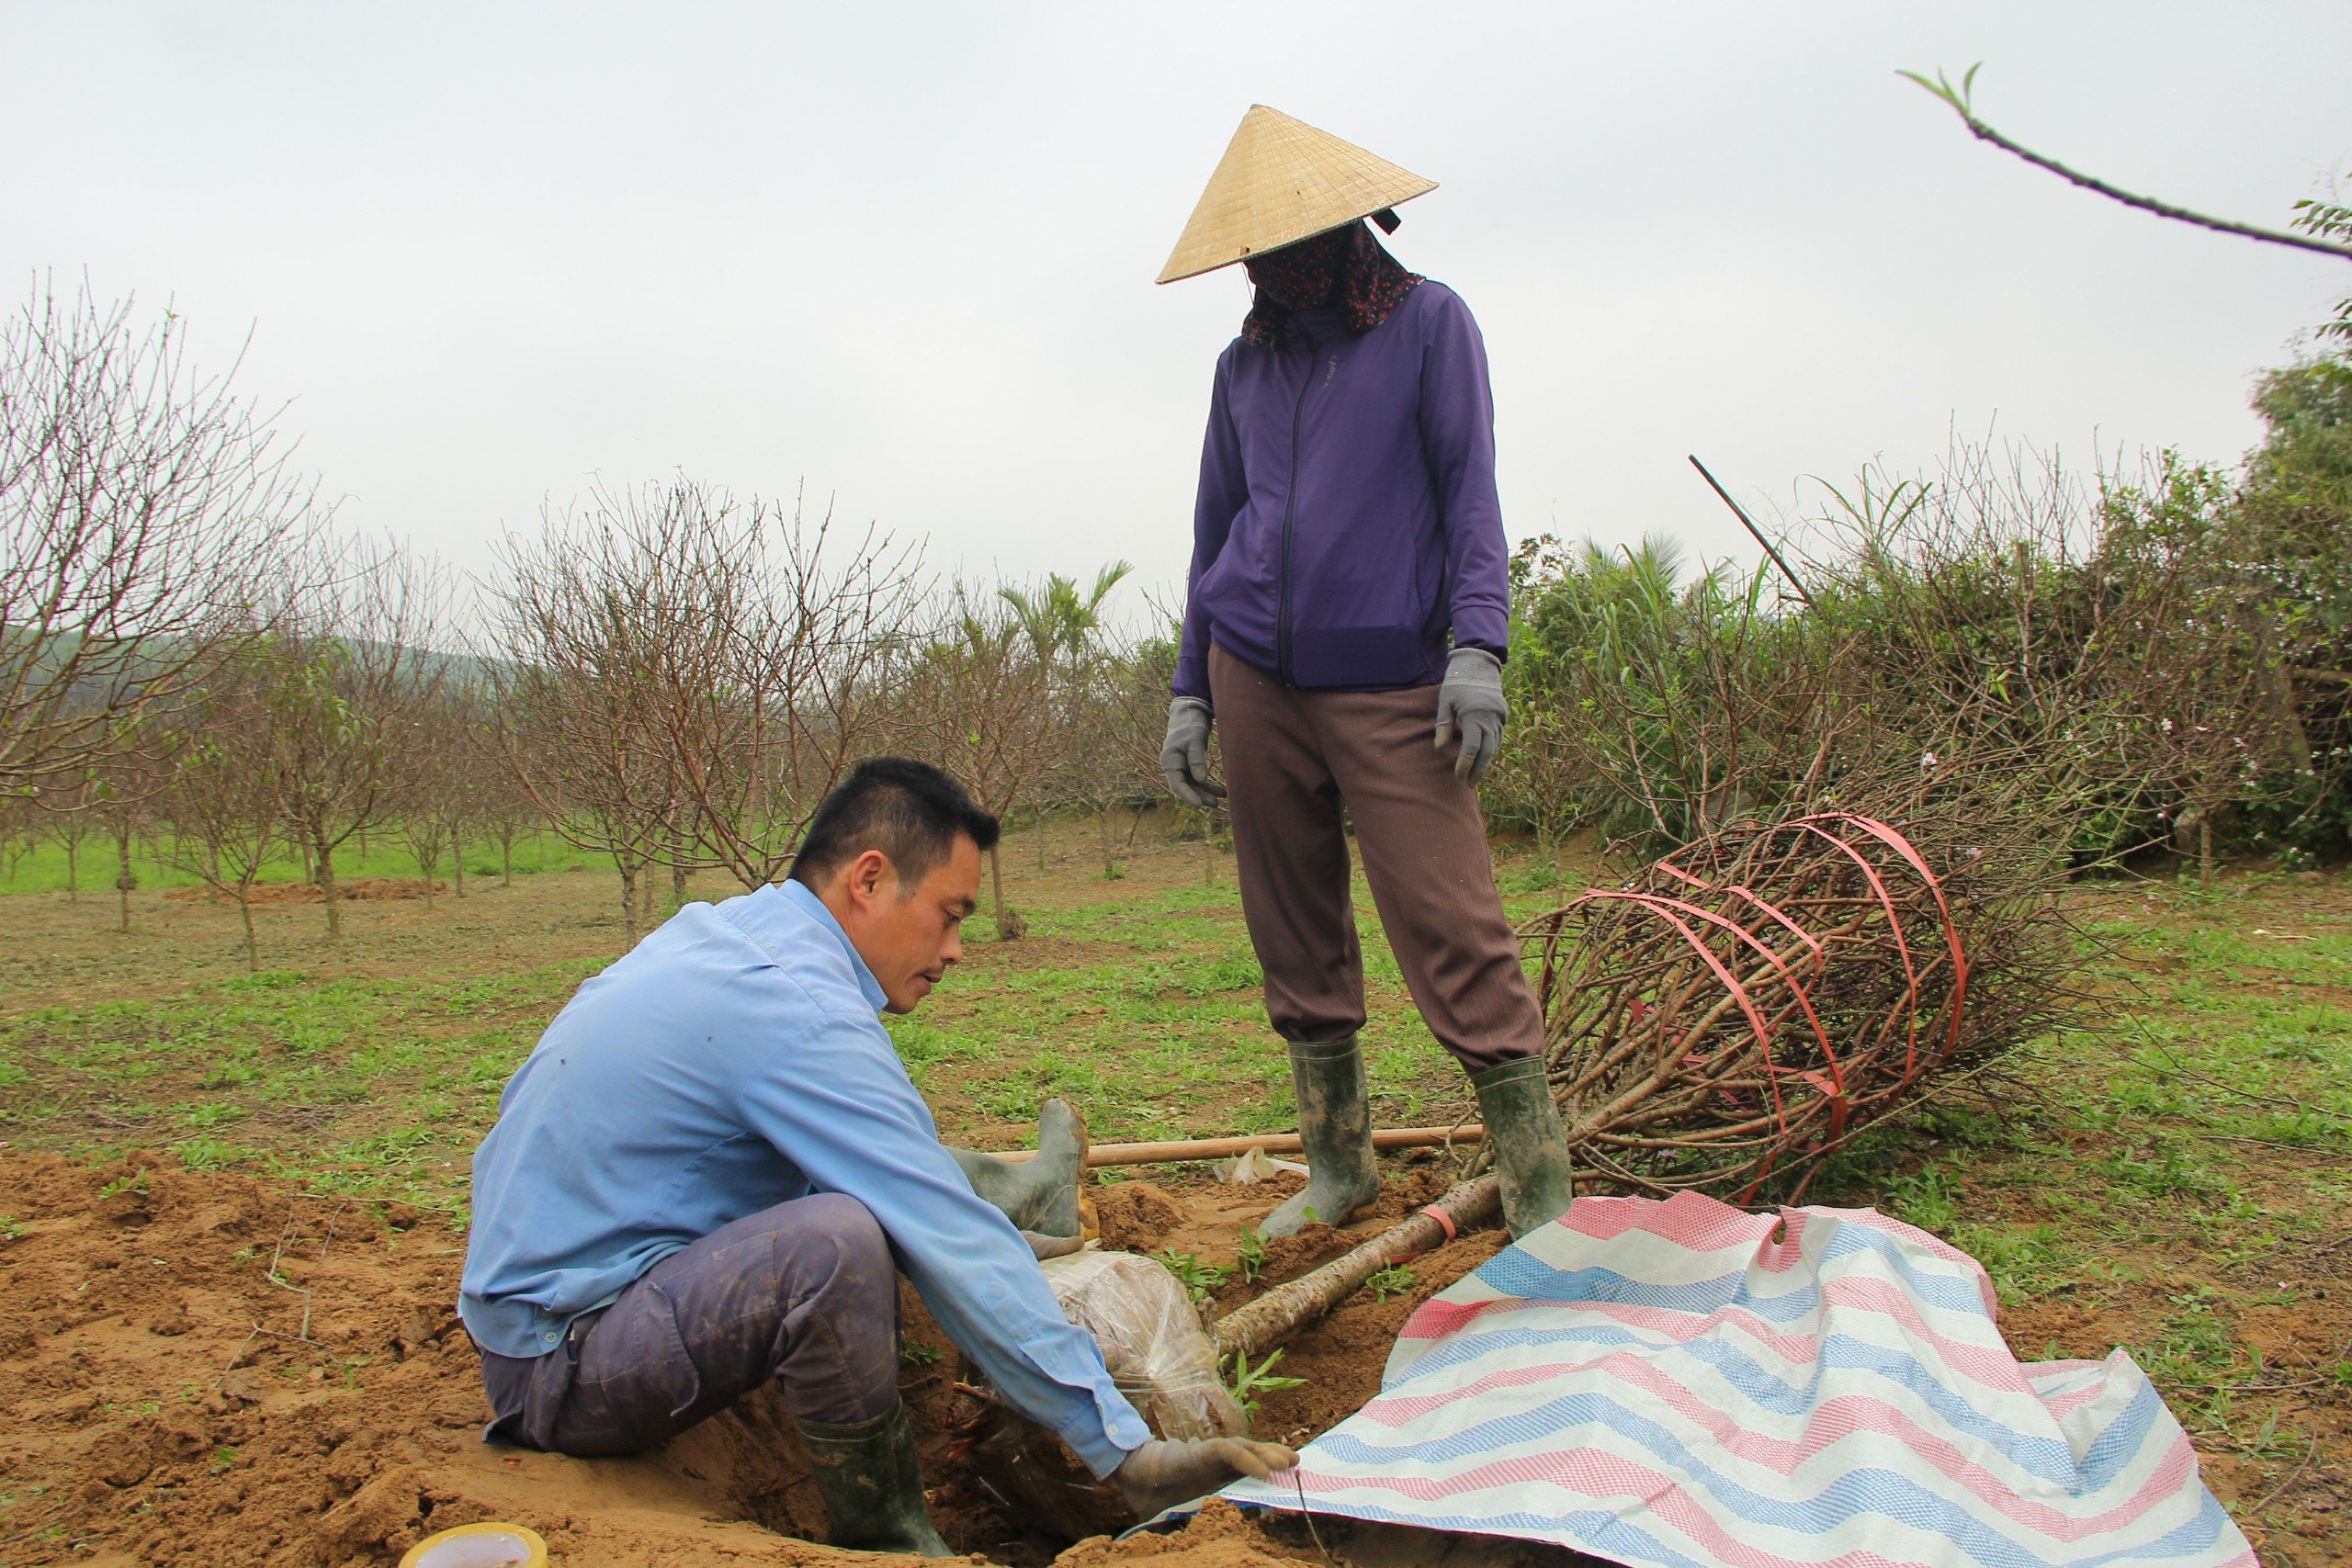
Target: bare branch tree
366, 667
144, 510
225, 806
976, 702
685, 676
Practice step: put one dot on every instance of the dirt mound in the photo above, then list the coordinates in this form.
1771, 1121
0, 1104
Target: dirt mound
366, 887
1136, 1216
200, 1368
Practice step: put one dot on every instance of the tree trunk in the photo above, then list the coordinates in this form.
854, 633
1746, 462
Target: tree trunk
678, 885
326, 886
458, 873
1284, 1310
72, 871
310, 866
1208, 847
124, 881
507, 857
629, 903
996, 887
2205, 849
1041, 838
245, 913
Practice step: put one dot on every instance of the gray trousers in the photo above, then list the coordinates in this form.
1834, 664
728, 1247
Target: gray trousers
1295, 760
803, 1293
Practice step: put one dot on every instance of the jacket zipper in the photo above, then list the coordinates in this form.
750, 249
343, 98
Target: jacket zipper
1290, 516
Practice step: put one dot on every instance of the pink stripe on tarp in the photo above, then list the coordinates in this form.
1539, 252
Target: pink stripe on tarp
1690, 1220
1988, 1366
1830, 1422
1974, 1362
1611, 1480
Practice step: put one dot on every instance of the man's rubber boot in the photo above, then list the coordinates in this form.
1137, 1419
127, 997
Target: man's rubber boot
1335, 1123
1040, 1196
872, 1486
1530, 1144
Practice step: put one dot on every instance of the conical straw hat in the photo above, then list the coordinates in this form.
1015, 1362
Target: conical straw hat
1280, 181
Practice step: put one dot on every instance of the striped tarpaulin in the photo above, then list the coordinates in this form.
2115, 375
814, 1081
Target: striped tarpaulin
1682, 1382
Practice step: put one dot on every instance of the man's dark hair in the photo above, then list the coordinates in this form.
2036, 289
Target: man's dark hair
909, 810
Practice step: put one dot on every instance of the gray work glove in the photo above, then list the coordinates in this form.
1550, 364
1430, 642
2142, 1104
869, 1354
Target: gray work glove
1470, 707
1045, 1247
1184, 756
1166, 1471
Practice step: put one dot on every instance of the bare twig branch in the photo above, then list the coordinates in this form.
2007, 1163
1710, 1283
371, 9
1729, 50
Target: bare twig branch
1958, 96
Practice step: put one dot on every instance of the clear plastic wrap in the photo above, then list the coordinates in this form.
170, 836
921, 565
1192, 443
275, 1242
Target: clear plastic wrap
1151, 1339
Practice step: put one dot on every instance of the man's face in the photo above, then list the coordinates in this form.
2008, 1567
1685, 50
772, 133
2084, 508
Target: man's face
909, 936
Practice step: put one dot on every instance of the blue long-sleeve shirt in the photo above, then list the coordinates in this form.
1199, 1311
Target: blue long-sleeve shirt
735, 1061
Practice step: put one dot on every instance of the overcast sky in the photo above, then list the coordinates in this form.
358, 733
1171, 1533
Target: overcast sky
904, 253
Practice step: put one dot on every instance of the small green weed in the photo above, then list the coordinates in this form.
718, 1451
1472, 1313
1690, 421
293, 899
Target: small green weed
1201, 1280
1253, 1254
11, 1227
913, 1353
1247, 1383
1394, 1280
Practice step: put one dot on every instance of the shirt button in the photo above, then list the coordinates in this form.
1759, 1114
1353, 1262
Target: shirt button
552, 1335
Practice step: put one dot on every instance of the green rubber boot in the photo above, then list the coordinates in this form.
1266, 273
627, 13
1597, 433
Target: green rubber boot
871, 1483
1040, 1196
1335, 1123
1531, 1146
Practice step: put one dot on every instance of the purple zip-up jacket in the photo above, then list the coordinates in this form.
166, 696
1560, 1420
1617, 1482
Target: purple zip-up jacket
1347, 519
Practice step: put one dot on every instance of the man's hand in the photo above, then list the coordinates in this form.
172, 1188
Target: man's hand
1184, 756
1470, 705
1163, 1472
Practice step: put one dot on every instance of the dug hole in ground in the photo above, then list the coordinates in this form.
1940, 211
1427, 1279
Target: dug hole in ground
297, 1389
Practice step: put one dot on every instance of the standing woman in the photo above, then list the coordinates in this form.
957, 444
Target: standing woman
1346, 619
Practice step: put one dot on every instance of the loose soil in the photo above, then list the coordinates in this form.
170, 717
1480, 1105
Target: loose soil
203, 1368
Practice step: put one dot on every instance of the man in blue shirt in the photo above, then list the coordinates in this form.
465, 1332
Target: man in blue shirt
707, 1172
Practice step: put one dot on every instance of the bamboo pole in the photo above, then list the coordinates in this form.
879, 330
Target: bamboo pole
1272, 1143
1284, 1310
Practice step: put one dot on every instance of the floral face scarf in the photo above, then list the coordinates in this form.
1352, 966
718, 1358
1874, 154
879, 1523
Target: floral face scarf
1345, 268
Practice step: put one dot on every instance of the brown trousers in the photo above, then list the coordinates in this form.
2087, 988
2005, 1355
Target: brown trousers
1293, 761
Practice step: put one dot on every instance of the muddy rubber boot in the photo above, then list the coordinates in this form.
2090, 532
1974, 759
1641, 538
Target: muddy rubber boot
1040, 1196
1335, 1123
872, 1486
1531, 1146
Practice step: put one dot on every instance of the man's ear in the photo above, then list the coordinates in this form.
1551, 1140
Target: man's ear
869, 874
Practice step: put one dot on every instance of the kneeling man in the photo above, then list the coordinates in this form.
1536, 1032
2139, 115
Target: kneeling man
709, 1170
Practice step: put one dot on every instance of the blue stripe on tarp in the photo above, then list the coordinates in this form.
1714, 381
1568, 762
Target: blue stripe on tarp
1611, 1413
1518, 1272
2052, 1458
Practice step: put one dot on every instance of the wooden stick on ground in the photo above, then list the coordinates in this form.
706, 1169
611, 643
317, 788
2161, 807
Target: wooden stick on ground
1272, 1143
1284, 1310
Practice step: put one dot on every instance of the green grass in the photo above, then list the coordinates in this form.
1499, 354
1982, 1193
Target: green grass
43, 867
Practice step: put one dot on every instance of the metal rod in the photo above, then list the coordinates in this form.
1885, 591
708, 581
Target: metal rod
1754, 531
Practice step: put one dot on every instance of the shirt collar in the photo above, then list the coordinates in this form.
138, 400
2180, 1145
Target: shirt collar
796, 898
